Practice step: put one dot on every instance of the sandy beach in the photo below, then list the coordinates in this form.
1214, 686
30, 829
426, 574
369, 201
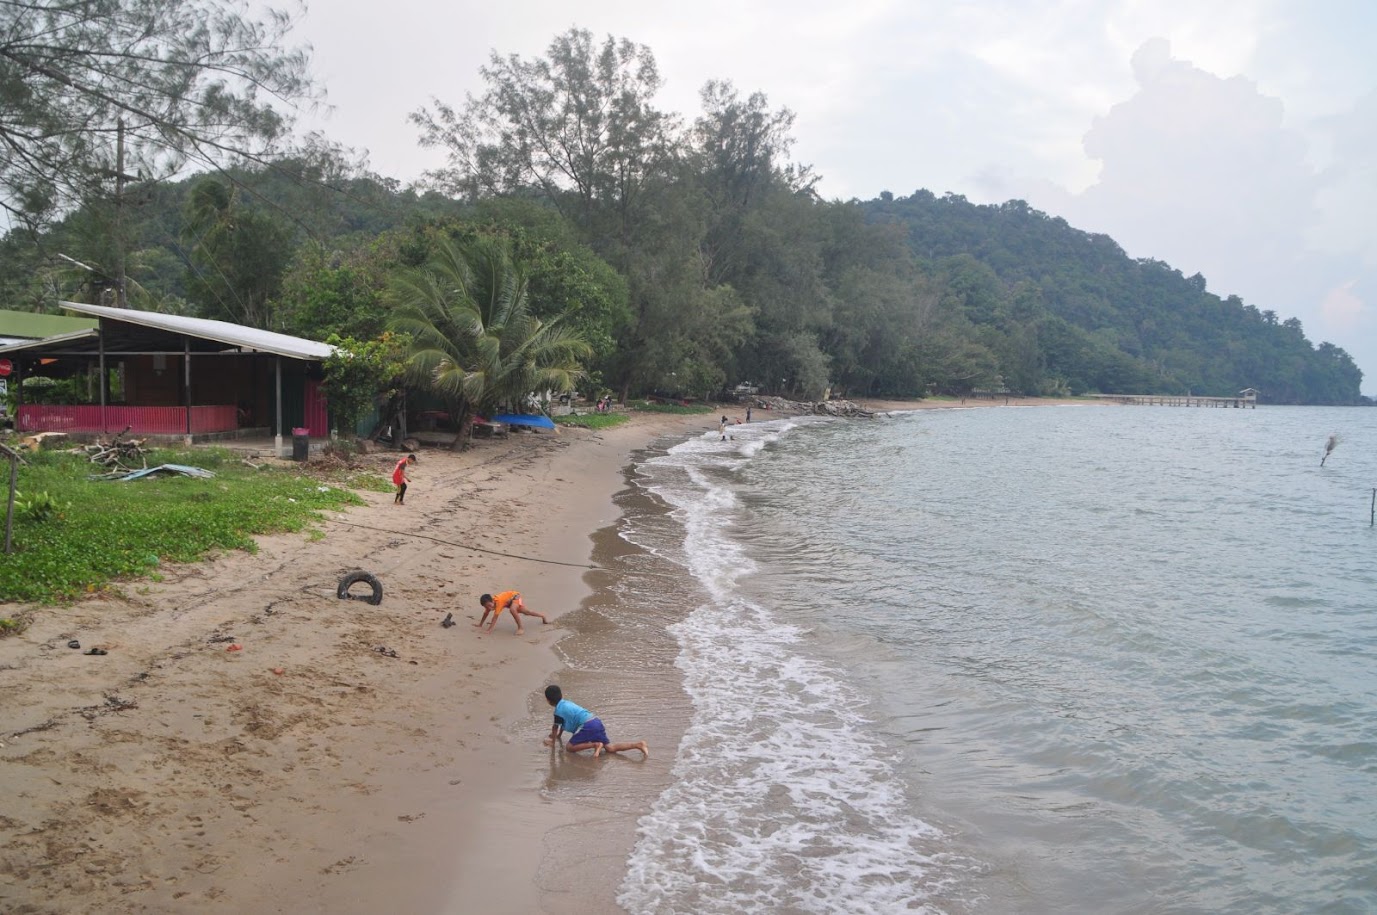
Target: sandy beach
347, 757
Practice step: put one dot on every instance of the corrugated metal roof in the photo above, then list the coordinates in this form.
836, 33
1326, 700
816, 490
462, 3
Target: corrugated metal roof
246, 338
30, 325
50, 342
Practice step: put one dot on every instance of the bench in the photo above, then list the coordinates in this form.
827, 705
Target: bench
490, 430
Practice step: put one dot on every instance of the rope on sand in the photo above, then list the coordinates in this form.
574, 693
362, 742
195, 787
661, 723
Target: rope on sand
464, 546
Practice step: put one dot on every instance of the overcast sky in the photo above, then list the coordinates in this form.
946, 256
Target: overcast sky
1233, 138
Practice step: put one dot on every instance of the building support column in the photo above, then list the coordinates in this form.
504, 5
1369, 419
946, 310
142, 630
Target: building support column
277, 442
100, 382
186, 381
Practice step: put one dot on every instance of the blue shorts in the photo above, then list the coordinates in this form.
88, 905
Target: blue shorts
591, 732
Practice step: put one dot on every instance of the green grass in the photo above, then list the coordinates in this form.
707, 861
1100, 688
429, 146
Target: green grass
371, 481
593, 420
650, 406
113, 530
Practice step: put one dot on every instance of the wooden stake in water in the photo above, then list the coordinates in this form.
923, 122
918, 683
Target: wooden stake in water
1372, 512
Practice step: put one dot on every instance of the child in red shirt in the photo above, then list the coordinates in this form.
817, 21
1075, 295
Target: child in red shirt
400, 478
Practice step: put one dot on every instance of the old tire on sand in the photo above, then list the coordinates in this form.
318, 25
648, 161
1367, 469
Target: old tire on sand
353, 578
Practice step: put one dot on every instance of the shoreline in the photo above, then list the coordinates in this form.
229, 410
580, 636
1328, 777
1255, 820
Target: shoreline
173, 775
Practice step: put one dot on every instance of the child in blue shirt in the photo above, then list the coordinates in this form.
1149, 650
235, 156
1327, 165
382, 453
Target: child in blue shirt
585, 729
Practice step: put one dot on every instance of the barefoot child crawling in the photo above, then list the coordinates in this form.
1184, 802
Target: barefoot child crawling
585, 729
510, 601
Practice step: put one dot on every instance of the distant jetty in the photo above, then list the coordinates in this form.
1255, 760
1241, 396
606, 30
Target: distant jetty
1247, 398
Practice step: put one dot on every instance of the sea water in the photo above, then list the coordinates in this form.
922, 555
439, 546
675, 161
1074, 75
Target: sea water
1051, 659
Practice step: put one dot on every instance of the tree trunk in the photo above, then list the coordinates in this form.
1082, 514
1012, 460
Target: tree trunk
465, 436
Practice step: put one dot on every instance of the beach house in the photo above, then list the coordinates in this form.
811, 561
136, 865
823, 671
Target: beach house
171, 375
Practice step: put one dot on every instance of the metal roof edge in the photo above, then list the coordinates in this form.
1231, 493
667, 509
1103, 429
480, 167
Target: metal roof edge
253, 340
47, 341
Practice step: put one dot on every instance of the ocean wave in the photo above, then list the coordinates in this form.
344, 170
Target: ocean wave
783, 798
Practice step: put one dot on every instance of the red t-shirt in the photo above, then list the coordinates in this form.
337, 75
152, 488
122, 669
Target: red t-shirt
399, 472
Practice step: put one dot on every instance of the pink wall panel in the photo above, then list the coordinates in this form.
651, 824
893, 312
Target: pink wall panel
141, 420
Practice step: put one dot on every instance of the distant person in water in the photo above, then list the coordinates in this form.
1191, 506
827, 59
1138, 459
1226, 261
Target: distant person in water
585, 729
510, 601
400, 479
722, 428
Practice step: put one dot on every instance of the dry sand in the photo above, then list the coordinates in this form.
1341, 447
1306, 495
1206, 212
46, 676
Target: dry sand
311, 771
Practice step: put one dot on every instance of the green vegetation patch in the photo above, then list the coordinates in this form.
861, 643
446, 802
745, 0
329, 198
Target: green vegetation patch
369, 480
105, 530
655, 406
593, 420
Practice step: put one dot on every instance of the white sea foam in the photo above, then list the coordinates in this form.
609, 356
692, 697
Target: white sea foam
781, 800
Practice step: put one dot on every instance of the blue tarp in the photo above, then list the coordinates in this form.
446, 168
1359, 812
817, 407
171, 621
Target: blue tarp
521, 419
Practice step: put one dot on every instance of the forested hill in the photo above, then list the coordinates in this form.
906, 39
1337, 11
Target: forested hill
892, 296
651, 252
1100, 319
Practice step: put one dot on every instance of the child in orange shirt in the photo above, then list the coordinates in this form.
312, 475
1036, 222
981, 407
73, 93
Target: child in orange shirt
507, 600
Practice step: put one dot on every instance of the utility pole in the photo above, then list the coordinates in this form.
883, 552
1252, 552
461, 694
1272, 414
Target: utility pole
120, 278
121, 300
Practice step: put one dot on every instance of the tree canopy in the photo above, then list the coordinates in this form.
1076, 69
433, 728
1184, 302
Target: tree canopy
473, 338
685, 254
96, 89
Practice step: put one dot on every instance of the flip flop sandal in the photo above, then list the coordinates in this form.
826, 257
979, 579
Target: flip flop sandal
73, 644
97, 651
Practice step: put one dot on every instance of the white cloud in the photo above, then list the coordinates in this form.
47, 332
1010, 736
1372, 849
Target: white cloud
1348, 194
1341, 308
1221, 36
1205, 166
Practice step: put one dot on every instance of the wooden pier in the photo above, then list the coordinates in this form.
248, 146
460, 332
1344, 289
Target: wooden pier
1245, 399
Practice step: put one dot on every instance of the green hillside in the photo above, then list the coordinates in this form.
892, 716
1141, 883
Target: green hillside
677, 256
1102, 320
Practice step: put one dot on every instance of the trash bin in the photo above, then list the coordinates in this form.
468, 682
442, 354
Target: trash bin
301, 444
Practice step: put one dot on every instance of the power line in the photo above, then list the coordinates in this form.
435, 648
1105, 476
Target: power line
467, 546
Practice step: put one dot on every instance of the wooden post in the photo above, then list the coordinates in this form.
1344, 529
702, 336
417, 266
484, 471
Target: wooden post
103, 424
1371, 512
277, 444
9, 508
186, 380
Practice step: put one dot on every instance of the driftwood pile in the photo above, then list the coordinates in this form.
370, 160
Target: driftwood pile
840, 408
119, 453
779, 405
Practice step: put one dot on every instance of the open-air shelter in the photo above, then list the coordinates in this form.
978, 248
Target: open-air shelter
172, 375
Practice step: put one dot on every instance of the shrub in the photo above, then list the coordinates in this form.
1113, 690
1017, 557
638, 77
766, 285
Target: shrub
593, 420
650, 406
40, 506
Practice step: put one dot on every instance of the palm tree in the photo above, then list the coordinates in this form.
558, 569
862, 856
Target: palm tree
474, 340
